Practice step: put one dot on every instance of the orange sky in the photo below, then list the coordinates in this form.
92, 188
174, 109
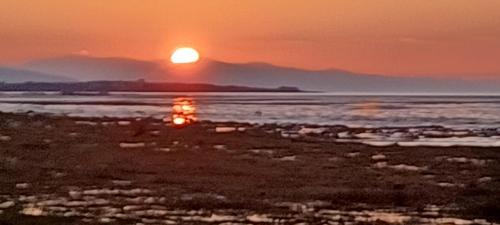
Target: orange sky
441, 37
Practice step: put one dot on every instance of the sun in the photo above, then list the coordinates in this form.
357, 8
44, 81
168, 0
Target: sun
184, 55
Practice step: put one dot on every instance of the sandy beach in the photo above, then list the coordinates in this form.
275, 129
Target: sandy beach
62, 170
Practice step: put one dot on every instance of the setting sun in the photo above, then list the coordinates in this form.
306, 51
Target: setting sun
184, 55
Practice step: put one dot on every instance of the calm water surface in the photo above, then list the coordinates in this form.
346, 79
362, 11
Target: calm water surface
454, 111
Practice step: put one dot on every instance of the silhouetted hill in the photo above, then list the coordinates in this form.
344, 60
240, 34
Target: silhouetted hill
138, 86
249, 74
11, 75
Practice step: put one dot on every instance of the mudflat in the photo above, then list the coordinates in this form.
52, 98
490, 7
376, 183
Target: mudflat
63, 170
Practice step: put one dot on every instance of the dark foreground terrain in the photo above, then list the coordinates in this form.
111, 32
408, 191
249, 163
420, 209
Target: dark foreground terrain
61, 170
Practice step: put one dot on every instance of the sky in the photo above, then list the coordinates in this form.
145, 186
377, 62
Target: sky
439, 38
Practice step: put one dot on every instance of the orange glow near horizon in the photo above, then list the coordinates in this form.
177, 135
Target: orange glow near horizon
455, 38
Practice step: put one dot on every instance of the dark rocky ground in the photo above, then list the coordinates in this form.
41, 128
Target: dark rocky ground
60, 170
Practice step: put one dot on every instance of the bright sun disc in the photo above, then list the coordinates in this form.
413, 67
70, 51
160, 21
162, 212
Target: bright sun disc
184, 55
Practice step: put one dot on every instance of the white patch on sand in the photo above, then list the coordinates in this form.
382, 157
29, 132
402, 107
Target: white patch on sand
123, 123
388, 217
259, 218
132, 145
7, 204
454, 141
217, 218
484, 179
219, 147
401, 167
5, 138
105, 191
132, 207
307, 130
379, 157
288, 158
380, 165
335, 159
455, 221
475, 162
224, 129
164, 149
31, 210
379, 143
155, 132
108, 123
89, 123
121, 182
368, 136
433, 133
352, 154
289, 135
407, 167
446, 184
22, 185
345, 134
429, 176
105, 220
75, 194
262, 151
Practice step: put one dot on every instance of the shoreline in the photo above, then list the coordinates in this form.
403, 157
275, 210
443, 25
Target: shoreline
78, 164
382, 136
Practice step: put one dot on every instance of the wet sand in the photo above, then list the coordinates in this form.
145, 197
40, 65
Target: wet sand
61, 170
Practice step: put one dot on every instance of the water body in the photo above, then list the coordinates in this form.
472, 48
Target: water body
354, 110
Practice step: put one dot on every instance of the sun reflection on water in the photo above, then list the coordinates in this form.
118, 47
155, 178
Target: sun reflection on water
183, 112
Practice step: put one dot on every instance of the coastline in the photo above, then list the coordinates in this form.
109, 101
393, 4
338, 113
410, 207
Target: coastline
238, 169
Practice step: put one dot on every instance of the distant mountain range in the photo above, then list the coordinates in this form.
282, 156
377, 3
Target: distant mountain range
83, 68
22, 75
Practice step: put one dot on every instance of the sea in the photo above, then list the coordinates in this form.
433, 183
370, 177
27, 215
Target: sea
477, 114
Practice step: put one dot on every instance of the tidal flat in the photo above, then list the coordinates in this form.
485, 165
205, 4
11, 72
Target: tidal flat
69, 170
